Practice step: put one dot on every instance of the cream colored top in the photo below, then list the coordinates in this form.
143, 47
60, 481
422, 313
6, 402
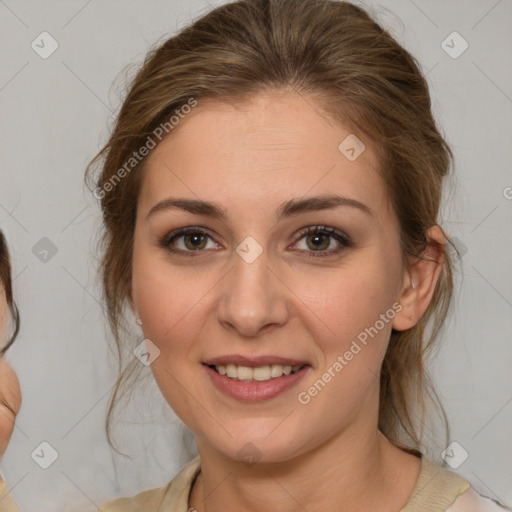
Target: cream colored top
436, 490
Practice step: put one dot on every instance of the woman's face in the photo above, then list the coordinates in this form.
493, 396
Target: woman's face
249, 287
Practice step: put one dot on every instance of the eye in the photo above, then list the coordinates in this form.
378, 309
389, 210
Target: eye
315, 241
188, 240
319, 238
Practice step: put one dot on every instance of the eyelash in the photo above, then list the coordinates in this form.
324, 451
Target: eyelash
340, 237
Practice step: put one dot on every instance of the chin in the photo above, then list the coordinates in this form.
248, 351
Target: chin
253, 448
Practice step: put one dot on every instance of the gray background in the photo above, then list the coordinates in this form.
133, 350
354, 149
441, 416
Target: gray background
56, 113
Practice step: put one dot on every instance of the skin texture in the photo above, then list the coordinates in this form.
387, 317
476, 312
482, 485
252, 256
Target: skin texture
249, 159
10, 392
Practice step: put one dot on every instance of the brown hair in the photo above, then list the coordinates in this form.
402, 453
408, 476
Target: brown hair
6, 283
361, 76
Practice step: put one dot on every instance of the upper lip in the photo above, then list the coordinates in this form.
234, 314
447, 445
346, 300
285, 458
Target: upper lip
254, 361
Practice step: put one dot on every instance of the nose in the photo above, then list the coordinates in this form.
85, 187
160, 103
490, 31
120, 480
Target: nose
253, 299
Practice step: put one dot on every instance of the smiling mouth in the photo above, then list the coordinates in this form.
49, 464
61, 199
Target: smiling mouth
257, 374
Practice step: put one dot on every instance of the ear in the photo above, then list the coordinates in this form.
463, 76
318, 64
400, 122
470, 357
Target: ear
420, 281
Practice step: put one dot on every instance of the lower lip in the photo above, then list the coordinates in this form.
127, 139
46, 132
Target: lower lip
254, 391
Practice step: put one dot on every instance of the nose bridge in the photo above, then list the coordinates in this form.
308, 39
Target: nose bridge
251, 298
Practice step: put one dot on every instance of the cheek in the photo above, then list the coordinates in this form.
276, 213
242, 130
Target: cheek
352, 340
171, 300
343, 312
344, 303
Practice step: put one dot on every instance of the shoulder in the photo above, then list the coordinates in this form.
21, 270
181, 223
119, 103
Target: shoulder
440, 489
471, 501
436, 489
7, 504
173, 496
150, 500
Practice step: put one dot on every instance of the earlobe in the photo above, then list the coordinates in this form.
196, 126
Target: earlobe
420, 281
406, 317
134, 308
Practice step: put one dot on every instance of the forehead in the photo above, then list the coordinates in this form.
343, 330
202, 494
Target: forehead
276, 145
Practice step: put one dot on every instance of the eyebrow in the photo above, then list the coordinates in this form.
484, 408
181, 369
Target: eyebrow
289, 208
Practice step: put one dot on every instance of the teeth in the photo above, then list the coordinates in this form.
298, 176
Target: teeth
244, 373
231, 371
260, 373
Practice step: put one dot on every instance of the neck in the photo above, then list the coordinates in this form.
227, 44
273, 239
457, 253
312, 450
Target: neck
357, 470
